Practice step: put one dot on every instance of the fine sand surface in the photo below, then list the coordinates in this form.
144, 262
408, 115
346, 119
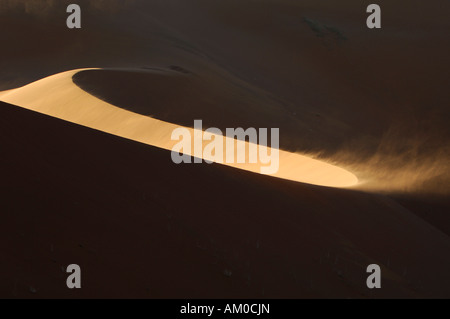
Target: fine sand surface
141, 226
372, 101
58, 96
87, 176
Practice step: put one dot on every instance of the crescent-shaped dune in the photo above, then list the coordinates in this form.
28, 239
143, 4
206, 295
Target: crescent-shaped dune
60, 97
87, 176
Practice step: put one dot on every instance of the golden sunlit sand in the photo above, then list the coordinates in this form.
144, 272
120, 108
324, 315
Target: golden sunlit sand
59, 97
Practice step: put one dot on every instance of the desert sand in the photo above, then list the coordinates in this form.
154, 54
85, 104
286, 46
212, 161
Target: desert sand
87, 176
59, 97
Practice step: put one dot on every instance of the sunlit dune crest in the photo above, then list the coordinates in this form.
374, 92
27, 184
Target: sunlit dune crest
59, 97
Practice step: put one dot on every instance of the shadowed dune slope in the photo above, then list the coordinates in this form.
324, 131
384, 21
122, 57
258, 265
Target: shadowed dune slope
115, 206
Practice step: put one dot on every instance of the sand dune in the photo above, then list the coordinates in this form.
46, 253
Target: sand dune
102, 191
58, 96
349, 95
135, 222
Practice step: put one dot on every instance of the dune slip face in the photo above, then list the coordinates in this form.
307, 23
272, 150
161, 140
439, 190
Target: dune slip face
60, 97
93, 196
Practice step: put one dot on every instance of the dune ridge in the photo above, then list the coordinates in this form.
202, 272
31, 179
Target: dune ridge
58, 96
378, 120
101, 192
